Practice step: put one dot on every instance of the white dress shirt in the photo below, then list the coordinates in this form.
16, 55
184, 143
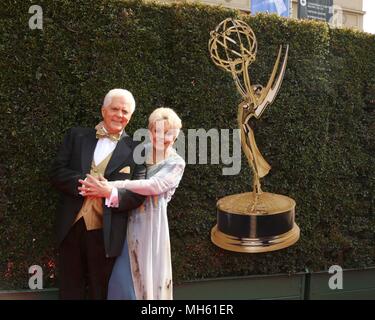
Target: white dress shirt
103, 148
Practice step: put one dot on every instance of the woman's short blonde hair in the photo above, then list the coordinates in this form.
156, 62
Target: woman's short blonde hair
166, 114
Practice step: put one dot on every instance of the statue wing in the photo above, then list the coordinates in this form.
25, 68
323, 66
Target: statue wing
269, 93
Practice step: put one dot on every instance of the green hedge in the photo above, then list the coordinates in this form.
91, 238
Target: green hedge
318, 135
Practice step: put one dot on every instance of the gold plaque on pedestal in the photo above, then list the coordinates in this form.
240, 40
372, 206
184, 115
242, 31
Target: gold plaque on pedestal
256, 221
269, 227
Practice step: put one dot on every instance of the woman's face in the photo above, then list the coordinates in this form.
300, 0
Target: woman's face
162, 135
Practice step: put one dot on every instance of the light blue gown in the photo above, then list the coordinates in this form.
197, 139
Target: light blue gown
146, 273
120, 285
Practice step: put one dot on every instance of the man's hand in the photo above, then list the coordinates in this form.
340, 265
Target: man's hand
95, 187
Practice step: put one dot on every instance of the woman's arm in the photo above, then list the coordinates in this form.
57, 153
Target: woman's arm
117, 183
166, 179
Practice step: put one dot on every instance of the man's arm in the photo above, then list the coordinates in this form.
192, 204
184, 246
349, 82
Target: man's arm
128, 200
62, 177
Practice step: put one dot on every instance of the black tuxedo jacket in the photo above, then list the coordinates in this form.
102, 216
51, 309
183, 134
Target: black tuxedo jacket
73, 162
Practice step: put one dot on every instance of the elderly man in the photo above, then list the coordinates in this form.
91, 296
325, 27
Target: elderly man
90, 233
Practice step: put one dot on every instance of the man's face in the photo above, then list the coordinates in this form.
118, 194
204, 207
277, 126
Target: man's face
116, 115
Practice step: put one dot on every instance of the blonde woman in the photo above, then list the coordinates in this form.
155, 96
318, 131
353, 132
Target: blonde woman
144, 270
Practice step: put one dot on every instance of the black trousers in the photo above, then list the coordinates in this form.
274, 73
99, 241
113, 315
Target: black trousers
84, 268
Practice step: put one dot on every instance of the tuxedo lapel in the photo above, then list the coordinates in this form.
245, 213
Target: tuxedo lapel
88, 147
121, 152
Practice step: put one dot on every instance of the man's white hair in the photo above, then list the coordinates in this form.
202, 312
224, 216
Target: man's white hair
166, 114
119, 93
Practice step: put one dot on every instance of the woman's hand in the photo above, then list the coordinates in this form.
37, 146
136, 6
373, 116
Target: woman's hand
95, 187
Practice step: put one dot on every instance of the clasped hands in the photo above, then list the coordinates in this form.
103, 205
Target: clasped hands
97, 187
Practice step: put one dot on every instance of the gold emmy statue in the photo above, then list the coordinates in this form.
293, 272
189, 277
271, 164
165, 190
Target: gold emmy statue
254, 221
